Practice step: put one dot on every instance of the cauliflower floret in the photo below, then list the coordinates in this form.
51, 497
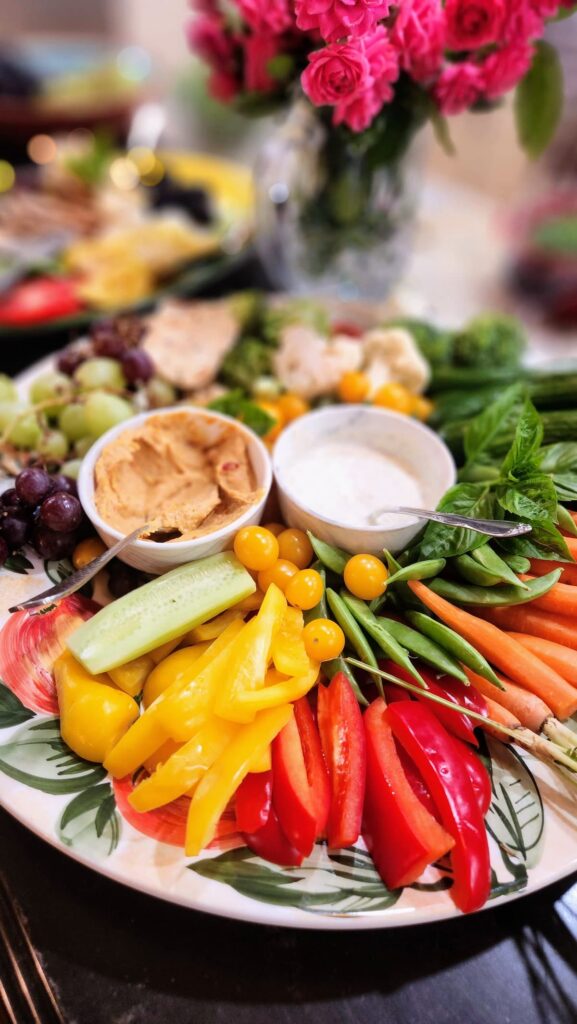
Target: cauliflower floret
391, 354
310, 365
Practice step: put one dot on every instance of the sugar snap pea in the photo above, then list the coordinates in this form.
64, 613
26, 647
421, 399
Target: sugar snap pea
418, 571
495, 597
334, 558
518, 563
474, 573
494, 564
350, 628
424, 648
566, 521
380, 635
461, 649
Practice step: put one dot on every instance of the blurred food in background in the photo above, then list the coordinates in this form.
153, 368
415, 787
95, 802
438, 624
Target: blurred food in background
544, 271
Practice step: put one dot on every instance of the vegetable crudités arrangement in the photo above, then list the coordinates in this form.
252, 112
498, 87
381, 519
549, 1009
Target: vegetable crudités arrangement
286, 697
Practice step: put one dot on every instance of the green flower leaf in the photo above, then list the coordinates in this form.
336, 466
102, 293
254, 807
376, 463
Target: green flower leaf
37, 757
539, 100
516, 818
12, 710
90, 822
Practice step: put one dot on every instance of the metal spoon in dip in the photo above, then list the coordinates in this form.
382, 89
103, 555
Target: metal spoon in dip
490, 527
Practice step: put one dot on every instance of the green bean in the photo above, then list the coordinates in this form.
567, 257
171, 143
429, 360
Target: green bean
350, 628
474, 573
494, 564
320, 610
330, 669
495, 597
566, 521
424, 648
335, 559
518, 563
380, 635
461, 649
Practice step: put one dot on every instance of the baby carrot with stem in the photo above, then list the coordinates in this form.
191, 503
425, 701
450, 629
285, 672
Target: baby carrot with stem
537, 745
558, 629
557, 656
561, 599
511, 657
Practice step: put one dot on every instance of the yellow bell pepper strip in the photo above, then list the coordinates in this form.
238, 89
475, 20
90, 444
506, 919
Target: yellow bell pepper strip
168, 748
148, 733
248, 666
226, 774
251, 603
176, 666
252, 702
132, 676
162, 652
288, 649
185, 768
184, 712
93, 715
214, 627
261, 762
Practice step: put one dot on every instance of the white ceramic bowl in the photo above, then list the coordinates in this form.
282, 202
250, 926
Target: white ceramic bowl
413, 445
154, 557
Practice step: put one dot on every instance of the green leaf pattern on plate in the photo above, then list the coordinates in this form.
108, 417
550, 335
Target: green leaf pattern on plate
90, 822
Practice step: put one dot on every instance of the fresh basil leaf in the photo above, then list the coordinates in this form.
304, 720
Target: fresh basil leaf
473, 500
560, 462
484, 428
526, 443
539, 100
543, 542
240, 408
532, 498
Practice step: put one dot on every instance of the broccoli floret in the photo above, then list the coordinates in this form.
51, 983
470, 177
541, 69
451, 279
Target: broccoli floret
492, 339
245, 363
247, 309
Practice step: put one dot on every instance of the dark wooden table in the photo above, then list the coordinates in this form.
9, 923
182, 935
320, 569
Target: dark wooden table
117, 957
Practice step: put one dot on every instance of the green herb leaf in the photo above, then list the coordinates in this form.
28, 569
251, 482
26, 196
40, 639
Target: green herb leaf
240, 408
539, 100
441, 541
560, 461
482, 431
526, 443
533, 499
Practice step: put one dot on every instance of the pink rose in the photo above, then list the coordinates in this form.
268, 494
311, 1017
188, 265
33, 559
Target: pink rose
335, 19
272, 16
207, 36
473, 23
359, 112
458, 87
336, 72
259, 49
504, 68
419, 36
547, 8
383, 62
522, 22
222, 86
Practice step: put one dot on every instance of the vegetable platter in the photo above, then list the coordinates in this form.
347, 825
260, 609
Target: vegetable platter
292, 735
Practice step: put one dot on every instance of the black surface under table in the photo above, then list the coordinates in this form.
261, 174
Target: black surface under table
118, 957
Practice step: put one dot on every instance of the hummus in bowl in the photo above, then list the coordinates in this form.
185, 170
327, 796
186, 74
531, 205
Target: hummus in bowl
192, 475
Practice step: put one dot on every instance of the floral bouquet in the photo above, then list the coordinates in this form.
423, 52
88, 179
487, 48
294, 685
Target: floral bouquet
375, 72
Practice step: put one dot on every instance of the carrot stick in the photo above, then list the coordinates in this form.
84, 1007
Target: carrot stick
523, 619
540, 567
511, 657
530, 710
499, 714
562, 659
560, 600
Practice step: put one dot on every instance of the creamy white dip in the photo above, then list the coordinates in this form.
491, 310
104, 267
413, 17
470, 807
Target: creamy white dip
347, 481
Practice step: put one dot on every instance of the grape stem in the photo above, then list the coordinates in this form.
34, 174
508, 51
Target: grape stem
30, 409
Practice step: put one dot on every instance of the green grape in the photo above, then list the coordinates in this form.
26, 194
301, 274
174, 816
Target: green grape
48, 386
26, 432
8, 392
9, 410
104, 411
83, 445
53, 445
71, 468
100, 373
160, 393
72, 421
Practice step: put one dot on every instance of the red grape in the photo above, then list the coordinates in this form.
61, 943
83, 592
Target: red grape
70, 359
106, 340
33, 485
9, 500
137, 366
15, 529
4, 552
122, 579
64, 483
61, 512
50, 544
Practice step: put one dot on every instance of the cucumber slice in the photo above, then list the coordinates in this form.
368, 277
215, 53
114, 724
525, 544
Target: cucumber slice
159, 611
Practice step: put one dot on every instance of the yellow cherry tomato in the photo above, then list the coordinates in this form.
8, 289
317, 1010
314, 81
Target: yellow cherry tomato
365, 576
295, 545
394, 396
324, 640
281, 573
292, 406
275, 528
305, 589
353, 387
422, 407
87, 551
256, 548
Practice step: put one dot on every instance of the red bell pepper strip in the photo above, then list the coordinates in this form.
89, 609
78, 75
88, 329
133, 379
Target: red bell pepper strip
402, 837
456, 723
253, 801
479, 776
439, 760
317, 773
39, 299
468, 696
416, 782
292, 797
344, 746
270, 843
